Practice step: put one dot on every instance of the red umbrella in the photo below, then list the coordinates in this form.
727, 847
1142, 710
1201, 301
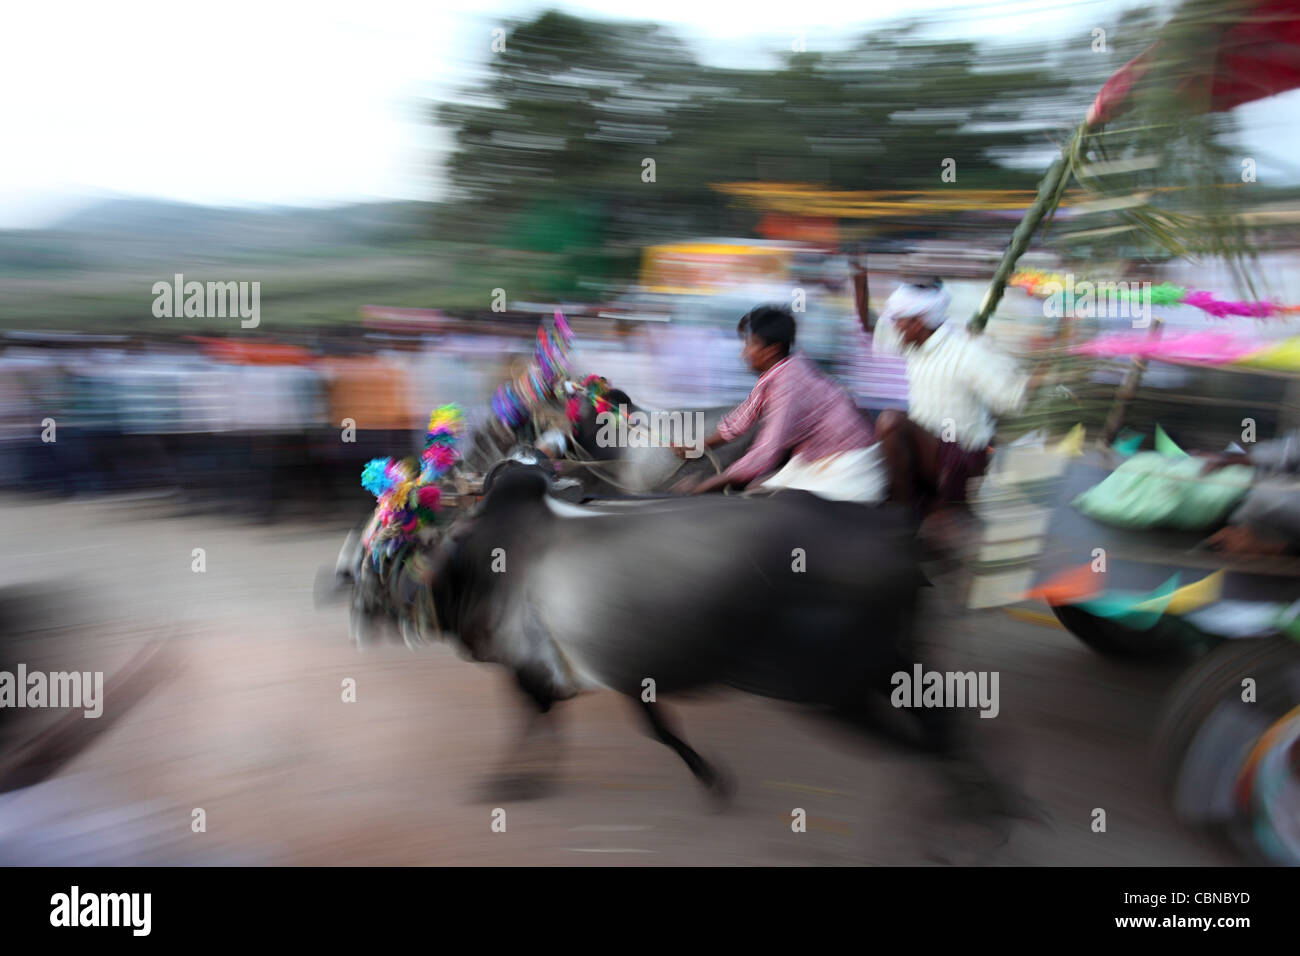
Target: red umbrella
1253, 56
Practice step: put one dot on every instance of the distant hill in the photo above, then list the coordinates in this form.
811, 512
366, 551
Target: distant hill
134, 232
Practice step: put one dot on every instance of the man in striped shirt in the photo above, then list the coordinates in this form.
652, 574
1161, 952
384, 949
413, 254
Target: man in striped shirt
801, 413
957, 384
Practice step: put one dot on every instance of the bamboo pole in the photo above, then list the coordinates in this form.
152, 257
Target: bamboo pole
1128, 391
1050, 190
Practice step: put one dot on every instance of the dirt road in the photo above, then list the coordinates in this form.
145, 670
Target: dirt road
254, 732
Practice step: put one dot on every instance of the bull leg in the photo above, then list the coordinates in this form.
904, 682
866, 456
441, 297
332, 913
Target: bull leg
719, 785
522, 776
867, 710
976, 793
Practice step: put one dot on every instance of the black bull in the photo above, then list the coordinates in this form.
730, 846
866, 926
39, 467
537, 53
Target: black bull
788, 596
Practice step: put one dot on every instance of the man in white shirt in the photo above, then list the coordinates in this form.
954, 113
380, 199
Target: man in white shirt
957, 384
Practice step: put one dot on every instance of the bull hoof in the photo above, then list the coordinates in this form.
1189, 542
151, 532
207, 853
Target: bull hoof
514, 787
721, 790
1025, 808
979, 797
966, 844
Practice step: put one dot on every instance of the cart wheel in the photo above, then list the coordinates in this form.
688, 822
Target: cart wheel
1168, 638
1232, 766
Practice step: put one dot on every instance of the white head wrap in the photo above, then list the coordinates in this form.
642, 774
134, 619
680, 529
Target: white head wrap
929, 303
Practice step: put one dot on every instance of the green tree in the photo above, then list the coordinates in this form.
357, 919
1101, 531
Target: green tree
551, 146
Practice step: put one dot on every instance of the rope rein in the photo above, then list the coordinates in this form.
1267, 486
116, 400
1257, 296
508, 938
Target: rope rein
593, 464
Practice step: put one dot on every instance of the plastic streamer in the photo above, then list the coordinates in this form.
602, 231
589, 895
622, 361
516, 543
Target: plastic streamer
1044, 284
514, 402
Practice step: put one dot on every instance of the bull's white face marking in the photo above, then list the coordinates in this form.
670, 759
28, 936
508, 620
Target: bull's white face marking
524, 458
563, 509
553, 441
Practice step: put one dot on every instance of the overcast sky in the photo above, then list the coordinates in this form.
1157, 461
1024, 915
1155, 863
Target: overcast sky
248, 102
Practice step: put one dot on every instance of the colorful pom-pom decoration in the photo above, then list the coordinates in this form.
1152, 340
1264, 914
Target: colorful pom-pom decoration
409, 499
595, 390
437, 459
374, 477
447, 420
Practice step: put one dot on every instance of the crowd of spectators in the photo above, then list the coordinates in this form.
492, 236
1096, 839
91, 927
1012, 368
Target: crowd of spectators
266, 427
